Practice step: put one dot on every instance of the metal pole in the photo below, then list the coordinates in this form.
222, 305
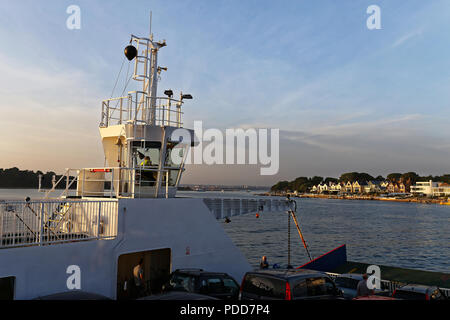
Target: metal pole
300, 234
98, 219
292, 213
289, 239
41, 231
167, 184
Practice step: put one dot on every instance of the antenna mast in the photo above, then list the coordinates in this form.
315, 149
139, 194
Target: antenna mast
150, 34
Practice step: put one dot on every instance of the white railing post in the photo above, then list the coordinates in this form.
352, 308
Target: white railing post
67, 182
179, 114
107, 114
112, 184
98, 219
168, 111
41, 231
83, 182
167, 184
103, 113
121, 110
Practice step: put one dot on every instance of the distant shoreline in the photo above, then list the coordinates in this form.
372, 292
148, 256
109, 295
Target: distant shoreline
360, 197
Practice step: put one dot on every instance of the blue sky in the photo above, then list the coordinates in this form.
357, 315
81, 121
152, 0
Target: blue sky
346, 98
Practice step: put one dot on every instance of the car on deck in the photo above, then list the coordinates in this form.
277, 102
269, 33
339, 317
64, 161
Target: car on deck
178, 295
214, 284
419, 292
289, 284
73, 295
348, 283
374, 298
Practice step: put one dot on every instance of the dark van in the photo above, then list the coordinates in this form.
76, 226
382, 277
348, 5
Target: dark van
290, 284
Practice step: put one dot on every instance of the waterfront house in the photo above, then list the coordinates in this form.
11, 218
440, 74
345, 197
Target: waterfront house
442, 190
348, 187
424, 188
358, 186
335, 187
384, 184
392, 187
374, 186
323, 187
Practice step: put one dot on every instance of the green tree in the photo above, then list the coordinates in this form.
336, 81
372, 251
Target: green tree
409, 177
316, 180
394, 177
349, 176
280, 186
329, 179
355, 176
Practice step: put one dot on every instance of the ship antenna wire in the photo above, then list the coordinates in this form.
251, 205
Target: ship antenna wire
117, 79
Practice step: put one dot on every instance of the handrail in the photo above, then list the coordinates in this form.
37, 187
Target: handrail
66, 174
123, 182
46, 222
140, 108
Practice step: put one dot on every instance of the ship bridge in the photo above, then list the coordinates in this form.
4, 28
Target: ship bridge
142, 136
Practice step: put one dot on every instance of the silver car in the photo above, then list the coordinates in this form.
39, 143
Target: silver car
348, 283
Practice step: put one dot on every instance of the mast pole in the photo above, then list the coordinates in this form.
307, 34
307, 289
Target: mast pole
150, 36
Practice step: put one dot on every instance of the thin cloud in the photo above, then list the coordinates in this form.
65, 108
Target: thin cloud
407, 37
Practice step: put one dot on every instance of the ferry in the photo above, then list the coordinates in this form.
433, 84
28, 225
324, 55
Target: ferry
90, 234
95, 225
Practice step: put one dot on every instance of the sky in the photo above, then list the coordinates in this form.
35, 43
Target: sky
344, 97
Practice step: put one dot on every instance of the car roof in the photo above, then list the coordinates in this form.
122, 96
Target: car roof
356, 276
287, 273
177, 295
420, 288
373, 297
198, 272
73, 295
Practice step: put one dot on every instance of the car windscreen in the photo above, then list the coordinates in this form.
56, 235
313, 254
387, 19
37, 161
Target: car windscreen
181, 282
217, 285
319, 286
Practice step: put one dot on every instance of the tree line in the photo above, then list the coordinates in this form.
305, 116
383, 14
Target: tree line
26, 179
304, 184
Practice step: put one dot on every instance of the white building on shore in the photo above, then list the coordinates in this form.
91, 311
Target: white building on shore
442, 190
424, 187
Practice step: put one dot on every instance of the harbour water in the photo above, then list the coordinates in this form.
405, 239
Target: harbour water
408, 235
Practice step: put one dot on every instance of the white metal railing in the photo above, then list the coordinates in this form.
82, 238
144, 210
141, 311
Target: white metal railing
117, 182
142, 109
223, 207
33, 223
390, 286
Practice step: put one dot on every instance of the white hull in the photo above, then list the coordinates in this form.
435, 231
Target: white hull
193, 235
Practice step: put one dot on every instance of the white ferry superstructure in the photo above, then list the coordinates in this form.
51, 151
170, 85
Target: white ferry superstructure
125, 211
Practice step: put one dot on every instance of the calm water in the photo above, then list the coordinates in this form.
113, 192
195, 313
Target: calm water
406, 235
